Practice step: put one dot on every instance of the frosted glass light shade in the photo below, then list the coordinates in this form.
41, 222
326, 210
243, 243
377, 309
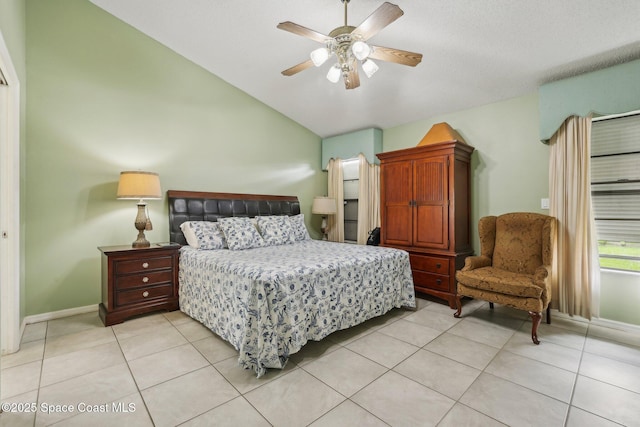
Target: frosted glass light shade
139, 185
360, 50
319, 56
369, 67
334, 74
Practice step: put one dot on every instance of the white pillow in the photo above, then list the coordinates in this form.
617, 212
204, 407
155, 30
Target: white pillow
240, 233
203, 235
276, 230
299, 228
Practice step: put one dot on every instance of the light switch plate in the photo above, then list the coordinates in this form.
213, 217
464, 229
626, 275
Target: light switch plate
544, 203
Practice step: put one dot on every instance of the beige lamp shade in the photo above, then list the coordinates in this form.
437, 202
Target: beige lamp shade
324, 205
139, 185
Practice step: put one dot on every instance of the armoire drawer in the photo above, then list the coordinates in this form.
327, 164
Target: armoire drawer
429, 264
423, 279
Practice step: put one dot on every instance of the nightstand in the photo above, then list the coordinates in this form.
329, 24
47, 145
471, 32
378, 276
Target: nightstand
138, 280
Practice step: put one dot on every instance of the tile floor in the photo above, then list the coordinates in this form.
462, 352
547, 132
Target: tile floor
407, 368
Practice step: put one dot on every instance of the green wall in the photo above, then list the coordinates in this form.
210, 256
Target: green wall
620, 296
509, 167
104, 98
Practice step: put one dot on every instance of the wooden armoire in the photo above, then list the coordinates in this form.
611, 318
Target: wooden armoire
425, 209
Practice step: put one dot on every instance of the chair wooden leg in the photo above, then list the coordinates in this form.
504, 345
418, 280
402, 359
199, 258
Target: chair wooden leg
458, 306
549, 314
491, 305
536, 316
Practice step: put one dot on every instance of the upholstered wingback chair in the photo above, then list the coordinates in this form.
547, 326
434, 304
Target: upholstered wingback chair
514, 265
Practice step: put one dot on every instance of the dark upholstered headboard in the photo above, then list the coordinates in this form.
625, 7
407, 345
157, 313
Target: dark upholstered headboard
202, 206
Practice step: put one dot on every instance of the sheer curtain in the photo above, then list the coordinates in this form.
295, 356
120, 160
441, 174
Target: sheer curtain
336, 191
576, 270
368, 198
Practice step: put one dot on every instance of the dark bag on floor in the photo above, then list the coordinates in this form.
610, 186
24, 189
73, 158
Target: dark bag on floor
374, 237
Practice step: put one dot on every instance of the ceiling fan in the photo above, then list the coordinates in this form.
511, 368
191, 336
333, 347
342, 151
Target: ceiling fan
349, 45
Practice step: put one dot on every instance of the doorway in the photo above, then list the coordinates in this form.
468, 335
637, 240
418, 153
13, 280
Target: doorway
9, 204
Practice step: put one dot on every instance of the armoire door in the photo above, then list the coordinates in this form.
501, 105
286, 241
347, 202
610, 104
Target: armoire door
396, 192
431, 195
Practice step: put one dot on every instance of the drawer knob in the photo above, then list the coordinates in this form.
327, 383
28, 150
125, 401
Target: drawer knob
438, 265
145, 294
145, 265
145, 279
439, 281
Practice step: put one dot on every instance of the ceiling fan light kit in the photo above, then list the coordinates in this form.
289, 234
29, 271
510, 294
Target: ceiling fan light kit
360, 49
334, 74
349, 45
369, 67
320, 56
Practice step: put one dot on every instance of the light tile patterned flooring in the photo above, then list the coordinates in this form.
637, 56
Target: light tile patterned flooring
407, 368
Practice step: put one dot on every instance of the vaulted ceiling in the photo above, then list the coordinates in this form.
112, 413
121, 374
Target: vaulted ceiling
475, 51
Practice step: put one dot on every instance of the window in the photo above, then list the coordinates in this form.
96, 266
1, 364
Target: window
615, 190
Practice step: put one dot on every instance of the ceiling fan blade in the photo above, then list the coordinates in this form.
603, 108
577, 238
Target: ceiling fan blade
297, 68
380, 18
398, 56
352, 80
303, 31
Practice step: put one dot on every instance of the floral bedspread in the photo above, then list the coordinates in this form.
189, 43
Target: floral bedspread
268, 302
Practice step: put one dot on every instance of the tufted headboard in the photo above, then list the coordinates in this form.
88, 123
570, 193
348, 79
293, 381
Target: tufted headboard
203, 206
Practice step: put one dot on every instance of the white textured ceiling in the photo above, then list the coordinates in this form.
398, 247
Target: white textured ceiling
475, 51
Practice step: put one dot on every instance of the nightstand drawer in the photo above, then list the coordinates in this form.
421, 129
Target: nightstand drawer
143, 264
431, 281
429, 264
143, 294
144, 279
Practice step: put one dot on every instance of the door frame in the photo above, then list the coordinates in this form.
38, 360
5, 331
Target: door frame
10, 238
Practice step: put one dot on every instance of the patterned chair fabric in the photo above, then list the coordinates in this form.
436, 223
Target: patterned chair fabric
514, 265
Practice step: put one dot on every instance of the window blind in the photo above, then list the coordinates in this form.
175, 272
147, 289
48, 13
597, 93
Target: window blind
615, 178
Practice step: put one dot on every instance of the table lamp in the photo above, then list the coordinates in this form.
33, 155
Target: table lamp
324, 206
140, 185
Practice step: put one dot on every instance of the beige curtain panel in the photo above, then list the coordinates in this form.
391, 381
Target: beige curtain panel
576, 269
368, 198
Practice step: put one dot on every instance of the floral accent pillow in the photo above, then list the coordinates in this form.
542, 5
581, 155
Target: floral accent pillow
298, 227
276, 230
203, 235
240, 233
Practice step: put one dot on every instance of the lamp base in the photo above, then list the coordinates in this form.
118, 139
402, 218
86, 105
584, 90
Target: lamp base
324, 228
141, 225
141, 241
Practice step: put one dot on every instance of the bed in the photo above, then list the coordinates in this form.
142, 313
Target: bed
269, 299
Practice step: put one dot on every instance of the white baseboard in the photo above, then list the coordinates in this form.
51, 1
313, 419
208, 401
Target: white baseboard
597, 321
614, 324
43, 317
